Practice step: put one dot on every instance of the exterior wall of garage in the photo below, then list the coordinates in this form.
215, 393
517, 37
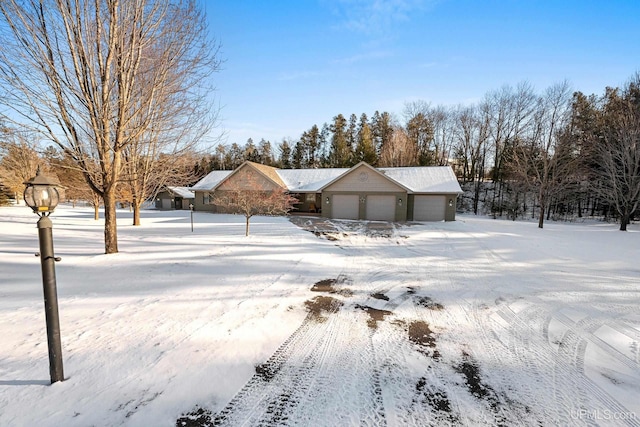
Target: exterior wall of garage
449, 213
400, 202
365, 184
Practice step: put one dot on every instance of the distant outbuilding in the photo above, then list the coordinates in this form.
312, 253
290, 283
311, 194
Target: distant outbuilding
175, 198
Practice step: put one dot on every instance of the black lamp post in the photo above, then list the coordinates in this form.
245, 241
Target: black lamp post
42, 196
191, 209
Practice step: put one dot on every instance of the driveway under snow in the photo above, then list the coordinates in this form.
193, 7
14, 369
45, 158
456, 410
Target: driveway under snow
474, 322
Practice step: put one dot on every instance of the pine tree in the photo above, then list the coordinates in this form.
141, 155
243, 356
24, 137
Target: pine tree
4, 195
382, 130
285, 155
340, 154
365, 149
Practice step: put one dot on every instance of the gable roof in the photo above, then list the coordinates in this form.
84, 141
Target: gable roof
184, 192
309, 180
424, 179
268, 171
366, 165
211, 181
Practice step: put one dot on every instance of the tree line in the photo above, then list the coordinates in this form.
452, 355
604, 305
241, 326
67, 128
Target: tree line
554, 154
120, 89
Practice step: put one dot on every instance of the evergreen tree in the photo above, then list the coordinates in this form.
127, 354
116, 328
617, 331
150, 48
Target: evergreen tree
382, 130
323, 149
352, 137
4, 195
251, 152
420, 132
265, 153
236, 156
313, 143
297, 159
365, 148
340, 153
284, 161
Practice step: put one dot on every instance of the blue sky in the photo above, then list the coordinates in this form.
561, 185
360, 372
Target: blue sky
292, 64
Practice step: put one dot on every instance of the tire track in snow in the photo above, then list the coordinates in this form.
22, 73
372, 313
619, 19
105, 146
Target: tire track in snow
318, 369
327, 372
515, 350
312, 378
569, 360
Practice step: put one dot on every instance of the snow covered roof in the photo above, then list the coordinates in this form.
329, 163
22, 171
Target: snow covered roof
426, 179
210, 181
184, 192
309, 180
430, 179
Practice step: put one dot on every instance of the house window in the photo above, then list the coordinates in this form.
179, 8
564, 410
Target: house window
311, 197
206, 198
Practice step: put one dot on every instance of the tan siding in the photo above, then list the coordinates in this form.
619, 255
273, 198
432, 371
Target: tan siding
363, 179
248, 179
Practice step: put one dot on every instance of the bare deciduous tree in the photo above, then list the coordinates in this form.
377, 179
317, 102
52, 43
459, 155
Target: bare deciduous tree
420, 130
97, 76
398, 150
19, 159
240, 196
617, 177
538, 161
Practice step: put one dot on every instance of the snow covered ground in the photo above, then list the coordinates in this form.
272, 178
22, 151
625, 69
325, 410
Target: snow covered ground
474, 322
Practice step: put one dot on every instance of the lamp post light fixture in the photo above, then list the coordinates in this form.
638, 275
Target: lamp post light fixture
41, 195
191, 209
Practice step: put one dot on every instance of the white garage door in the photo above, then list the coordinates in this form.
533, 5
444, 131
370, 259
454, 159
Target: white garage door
381, 208
429, 208
345, 206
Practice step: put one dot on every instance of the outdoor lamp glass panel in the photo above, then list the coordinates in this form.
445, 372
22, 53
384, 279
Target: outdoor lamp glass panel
41, 198
41, 195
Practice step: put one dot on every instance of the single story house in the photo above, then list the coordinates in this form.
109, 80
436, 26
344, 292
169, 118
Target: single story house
175, 198
360, 192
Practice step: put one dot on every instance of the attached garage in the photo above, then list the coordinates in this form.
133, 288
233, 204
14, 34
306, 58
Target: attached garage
346, 206
381, 207
358, 193
429, 208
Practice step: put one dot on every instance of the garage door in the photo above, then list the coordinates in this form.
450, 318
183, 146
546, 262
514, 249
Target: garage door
381, 208
345, 206
166, 203
429, 208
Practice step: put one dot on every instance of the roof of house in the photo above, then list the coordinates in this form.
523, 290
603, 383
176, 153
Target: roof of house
425, 179
429, 179
184, 192
309, 180
270, 172
211, 181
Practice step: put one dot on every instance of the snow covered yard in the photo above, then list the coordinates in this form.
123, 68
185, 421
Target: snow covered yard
475, 322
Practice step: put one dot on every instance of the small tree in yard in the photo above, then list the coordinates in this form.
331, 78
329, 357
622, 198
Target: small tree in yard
238, 197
